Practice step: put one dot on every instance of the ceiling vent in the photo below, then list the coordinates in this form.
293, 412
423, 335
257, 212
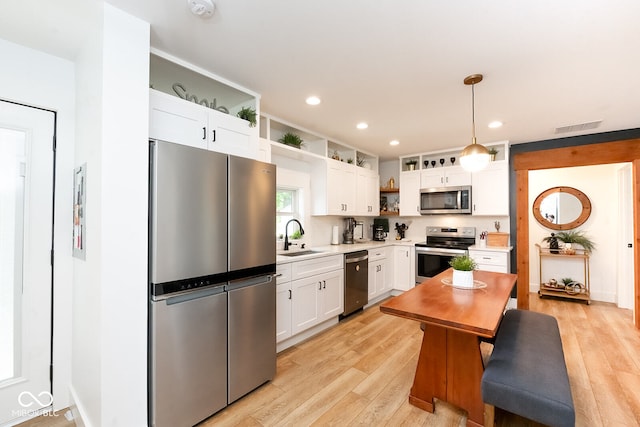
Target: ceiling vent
579, 127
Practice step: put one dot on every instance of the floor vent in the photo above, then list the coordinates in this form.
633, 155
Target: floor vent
578, 127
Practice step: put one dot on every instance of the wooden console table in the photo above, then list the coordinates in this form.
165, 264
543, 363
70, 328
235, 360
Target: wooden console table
582, 294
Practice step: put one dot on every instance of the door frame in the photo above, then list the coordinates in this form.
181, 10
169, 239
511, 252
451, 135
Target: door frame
51, 244
616, 151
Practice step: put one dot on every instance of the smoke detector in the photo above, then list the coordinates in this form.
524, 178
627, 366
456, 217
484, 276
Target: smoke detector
202, 8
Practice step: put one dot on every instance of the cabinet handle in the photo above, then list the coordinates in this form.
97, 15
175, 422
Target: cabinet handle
441, 180
447, 180
319, 285
204, 132
289, 293
214, 135
324, 284
474, 207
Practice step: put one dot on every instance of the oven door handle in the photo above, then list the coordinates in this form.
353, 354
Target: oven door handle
439, 251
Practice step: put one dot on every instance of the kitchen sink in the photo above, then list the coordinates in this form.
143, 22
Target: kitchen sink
299, 253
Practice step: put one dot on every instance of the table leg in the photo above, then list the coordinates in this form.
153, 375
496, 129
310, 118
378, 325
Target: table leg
430, 380
450, 369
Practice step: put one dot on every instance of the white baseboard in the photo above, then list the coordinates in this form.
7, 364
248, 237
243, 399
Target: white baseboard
77, 410
304, 335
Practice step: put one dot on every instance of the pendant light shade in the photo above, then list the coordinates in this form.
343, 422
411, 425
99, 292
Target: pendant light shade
474, 157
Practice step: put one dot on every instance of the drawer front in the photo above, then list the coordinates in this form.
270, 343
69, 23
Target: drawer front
377, 254
310, 267
494, 268
283, 273
489, 258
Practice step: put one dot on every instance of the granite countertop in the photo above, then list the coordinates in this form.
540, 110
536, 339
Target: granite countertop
322, 251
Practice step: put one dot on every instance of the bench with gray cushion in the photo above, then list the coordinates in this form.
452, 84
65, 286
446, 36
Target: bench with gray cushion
526, 374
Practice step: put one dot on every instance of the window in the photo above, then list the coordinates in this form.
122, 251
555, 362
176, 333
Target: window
287, 207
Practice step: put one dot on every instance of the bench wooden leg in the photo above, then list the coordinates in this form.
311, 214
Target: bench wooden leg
489, 415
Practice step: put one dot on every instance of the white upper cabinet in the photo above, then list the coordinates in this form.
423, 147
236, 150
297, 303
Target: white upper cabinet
445, 176
178, 121
232, 135
490, 190
175, 120
410, 193
190, 106
341, 189
367, 193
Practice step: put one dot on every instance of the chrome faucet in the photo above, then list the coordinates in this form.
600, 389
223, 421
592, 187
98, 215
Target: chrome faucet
286, 234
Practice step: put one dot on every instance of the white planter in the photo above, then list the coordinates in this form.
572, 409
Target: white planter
464, 279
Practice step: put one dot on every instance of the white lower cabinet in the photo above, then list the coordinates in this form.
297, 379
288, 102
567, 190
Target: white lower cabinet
491, 260
283, 302
404, 267
378, 273
308, 293
316, 299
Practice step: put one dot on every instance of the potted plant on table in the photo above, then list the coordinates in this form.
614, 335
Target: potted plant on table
463, 266
248, 114
571, 237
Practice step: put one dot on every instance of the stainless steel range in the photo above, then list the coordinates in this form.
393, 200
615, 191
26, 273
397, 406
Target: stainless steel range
441, 245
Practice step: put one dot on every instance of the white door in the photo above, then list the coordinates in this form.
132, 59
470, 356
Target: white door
26, 200
625, 239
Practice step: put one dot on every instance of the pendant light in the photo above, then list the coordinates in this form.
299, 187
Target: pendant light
474, 157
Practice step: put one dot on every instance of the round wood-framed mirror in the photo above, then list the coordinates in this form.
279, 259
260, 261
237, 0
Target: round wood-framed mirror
562, 208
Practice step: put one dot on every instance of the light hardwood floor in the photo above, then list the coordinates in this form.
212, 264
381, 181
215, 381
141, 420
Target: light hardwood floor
360, 373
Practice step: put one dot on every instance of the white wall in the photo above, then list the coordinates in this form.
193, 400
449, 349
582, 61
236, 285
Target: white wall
600, 184
110, 287
37, 79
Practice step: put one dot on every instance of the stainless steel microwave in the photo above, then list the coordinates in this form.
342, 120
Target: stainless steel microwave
445, 200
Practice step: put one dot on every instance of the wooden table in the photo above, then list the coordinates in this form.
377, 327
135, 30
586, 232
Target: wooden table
450, 364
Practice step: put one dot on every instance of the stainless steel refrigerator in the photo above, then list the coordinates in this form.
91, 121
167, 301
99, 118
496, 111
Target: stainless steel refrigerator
212, 291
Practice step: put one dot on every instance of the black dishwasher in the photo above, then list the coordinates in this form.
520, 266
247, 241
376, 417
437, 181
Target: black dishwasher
356, 281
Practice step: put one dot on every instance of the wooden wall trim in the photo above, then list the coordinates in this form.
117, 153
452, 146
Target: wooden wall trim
581, 155
522, 242
636, 237
627, 150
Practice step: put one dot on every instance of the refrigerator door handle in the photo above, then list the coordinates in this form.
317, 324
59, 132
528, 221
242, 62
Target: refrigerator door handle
189, 295
243, 283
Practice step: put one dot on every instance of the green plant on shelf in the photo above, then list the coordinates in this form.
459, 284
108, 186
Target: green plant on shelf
572, 236
291, 139
248, 114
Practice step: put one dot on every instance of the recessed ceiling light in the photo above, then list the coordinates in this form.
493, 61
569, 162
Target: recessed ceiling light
313, 100
495, 124
394, 142
362, 125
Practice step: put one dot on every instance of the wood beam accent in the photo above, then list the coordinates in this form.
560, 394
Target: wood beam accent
582, 155
635, 177
522, 244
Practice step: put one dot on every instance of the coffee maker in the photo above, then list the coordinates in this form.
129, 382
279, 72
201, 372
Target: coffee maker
380, 229
349, 227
